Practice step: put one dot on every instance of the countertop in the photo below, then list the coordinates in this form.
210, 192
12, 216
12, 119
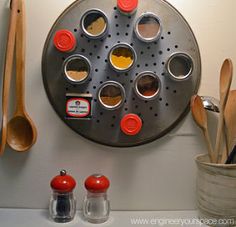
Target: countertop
39, 218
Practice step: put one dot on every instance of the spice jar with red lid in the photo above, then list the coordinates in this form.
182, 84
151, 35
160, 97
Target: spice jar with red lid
127, 7
62, 204
64, 41
96, 207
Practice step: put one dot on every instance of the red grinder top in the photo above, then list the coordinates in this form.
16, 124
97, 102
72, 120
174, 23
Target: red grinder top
131, 124
97, 183
63, 183
64, 41
127, 6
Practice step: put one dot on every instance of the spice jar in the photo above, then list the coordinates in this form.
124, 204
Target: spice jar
94, 24
64, 41
62, 204
147, 85
127, 7
148, 27
122, 57
77, 69
131, 124
96, 207
179, 66
111, 95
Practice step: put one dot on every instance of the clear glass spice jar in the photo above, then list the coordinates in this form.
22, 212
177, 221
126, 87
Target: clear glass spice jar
62, 206
96, 207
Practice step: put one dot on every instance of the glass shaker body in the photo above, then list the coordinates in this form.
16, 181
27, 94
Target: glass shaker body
96, 208
62, 207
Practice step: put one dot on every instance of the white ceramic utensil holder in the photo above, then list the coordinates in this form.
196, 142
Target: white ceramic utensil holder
216, 191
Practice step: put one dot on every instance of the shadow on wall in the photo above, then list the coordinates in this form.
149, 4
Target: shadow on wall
16, 161
3, 34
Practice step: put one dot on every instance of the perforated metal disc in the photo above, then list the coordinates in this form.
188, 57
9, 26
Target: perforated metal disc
160, 115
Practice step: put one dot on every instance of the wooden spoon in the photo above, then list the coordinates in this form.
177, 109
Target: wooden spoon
230, 123
8, 73
200, 117
21, 134
226, 76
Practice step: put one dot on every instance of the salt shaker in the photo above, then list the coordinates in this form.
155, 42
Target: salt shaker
96, 207
62, 204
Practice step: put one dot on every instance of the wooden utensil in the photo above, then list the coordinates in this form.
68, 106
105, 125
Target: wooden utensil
21, 133
231, 159
230, 123
8, 72
226, 75
200, 117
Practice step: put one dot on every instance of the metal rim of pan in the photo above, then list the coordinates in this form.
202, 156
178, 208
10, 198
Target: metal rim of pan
136, 30
189, 61
74, 57
116, 84
125, 45
103, 15
143, 97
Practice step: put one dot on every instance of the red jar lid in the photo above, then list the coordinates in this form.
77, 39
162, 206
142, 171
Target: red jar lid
63, 183
127, 6
64, 41
131, 124
97, 183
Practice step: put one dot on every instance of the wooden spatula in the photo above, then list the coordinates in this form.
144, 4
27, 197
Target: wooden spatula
230, 123
226, 75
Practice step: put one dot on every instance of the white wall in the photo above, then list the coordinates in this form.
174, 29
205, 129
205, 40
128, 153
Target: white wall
157, 176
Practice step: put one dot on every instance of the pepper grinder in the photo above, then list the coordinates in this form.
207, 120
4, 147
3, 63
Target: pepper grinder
62, 204
96, 207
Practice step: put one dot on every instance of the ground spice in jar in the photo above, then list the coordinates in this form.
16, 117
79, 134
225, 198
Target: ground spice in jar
97, 26
148, 31
180, 66
148, 27
77, 75
111, 101
77, 68
148, 86
111, 96
122, 58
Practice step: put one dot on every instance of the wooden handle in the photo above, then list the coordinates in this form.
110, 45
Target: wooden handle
219, 133
226, 149
8, 72
20, 58
209, 146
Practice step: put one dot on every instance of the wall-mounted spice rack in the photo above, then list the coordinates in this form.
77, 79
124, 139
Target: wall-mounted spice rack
121, 75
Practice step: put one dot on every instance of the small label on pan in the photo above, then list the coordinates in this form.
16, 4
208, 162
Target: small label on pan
78, 106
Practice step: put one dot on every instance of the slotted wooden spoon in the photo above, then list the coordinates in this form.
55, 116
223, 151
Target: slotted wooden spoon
21, 133
200, 117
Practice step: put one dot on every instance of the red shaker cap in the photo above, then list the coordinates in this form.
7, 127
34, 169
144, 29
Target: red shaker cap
64, 40
127, 6
131, 124
97, 183
63, 183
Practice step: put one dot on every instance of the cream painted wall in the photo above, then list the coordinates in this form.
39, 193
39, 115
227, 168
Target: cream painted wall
157, 176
